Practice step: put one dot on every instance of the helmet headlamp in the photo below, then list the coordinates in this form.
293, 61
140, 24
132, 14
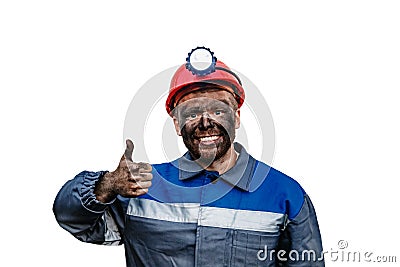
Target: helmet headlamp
201, 62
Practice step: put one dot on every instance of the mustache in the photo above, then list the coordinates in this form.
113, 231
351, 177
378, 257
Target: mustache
199, 134
196, 132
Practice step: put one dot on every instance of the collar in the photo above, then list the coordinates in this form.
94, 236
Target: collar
239, 175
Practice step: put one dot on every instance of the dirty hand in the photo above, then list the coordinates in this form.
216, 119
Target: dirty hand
130, 179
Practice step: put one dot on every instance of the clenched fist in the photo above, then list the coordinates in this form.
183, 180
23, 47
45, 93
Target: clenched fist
130, 179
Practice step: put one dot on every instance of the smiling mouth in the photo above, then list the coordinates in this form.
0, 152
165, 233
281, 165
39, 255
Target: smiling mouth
209, 138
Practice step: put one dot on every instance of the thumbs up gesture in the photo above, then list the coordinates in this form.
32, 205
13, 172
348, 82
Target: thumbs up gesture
130, 179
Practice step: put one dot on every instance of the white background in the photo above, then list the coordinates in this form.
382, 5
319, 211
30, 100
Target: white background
328, 70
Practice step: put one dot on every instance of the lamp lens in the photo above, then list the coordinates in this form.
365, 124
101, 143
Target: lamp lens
201, 59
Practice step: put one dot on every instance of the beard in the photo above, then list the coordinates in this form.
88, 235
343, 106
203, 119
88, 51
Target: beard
208, 152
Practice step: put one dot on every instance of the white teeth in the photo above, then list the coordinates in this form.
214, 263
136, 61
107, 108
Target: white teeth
208, 138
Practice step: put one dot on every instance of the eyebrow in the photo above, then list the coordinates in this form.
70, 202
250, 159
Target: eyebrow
190, 109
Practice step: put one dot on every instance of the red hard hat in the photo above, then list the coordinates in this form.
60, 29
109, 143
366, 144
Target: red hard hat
223, 78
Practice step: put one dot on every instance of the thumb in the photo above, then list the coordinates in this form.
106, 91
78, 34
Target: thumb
128, 150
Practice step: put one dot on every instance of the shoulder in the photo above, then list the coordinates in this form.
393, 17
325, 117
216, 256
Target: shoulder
263, 173
271, 182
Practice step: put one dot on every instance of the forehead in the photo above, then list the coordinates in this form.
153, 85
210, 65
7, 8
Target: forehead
209, 96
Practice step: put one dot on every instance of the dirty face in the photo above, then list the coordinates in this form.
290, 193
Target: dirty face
207, 120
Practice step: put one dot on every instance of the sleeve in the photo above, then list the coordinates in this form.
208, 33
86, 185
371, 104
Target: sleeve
301, 239
79, 212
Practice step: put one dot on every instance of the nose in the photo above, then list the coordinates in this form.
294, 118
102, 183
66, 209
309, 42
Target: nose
205, 121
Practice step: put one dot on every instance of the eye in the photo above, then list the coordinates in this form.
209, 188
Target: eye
192, 116
218, 112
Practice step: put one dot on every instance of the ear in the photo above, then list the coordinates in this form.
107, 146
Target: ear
237, 119
177, 127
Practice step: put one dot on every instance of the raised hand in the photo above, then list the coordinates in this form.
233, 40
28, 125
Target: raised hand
130, 179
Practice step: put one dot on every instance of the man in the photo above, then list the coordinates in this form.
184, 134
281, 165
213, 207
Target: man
214, 206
